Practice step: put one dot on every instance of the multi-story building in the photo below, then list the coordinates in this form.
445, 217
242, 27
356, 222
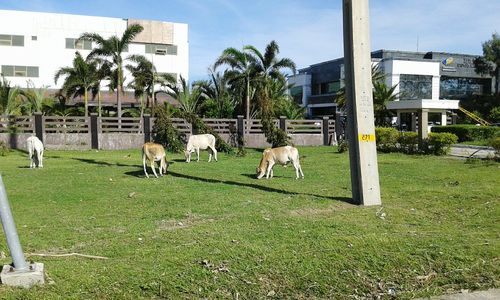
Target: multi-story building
432, 81
34, 45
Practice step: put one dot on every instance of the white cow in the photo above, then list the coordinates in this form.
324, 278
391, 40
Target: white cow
203, 142
281, 155
154, 152
35, 151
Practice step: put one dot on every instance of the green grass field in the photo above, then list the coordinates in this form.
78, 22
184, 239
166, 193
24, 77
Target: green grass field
211, 230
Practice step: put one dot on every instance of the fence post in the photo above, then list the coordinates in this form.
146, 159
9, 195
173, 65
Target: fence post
283, 123
147, 127
94, 132
339, 126
39, 125
326, 133
241, 131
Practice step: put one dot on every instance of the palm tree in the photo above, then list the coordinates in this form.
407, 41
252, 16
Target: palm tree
103, 73
145, 79
36, 99
80, 78
217, 99
112, 48
188, 98
241, 70
381, 95
268, 65
10, 103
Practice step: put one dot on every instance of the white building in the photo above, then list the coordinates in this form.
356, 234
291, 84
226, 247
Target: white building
34, 45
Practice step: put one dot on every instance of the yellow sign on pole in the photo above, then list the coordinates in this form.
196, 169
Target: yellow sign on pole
366, 137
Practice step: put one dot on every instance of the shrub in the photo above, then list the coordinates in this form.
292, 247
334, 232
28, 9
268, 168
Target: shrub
439, 143
495, 114
166, 134
408, 142
495, 143
4, 148
387, 138
469, 132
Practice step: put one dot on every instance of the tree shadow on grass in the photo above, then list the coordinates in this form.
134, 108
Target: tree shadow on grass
250, 185
101, 163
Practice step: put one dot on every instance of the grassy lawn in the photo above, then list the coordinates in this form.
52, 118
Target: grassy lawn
211, 230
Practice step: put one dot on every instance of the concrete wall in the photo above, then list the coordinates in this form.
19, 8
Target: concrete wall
15, 141
118, 141
66, 141
115, 141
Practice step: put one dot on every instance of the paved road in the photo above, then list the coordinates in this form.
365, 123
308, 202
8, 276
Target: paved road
471, 151
492, 294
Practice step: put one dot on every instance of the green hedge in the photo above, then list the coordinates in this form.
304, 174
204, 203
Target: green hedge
391, 140
469, 132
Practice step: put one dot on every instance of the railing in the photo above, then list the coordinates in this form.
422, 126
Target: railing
13, 124
55, 124
128, 125
222, 126
304, 126
95, 126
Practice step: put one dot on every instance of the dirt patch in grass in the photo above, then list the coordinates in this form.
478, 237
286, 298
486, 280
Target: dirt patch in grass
188, 221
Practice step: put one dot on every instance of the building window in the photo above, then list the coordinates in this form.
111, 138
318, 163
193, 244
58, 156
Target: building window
415, 87
330, 87
34, 38
78, 44
459, 87
296, 93
161, 49
11, 40
20, 71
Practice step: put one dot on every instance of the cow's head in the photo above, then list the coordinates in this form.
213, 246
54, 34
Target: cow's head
260, 172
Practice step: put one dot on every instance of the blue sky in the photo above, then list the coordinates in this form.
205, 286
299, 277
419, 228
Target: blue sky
307, 31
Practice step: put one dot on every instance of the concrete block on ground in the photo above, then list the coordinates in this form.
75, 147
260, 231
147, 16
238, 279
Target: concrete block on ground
26, 279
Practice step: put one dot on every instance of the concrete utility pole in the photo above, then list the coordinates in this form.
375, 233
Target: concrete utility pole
360, 118
20, 274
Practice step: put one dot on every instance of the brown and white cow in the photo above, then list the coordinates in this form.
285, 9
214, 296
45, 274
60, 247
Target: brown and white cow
154, 152
280, 155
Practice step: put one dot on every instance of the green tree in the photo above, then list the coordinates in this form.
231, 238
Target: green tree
241, 72
489, 63
80, 79
10, 100
340, 97
145, 78
36, 99
188, 98
112, 48
382, 94
217, 100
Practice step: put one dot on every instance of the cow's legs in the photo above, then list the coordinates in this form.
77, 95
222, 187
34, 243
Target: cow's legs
197, 154
144, 165
210, 154
214, 152
269, 169
30, 155
40, 158
298, 170
153, 167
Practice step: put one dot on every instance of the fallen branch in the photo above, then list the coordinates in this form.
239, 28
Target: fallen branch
67, 254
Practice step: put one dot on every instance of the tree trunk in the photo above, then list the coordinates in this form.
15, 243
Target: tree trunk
248, 106
86, 102
497, 80
99, 104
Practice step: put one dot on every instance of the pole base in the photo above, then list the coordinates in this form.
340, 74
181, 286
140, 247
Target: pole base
25, 278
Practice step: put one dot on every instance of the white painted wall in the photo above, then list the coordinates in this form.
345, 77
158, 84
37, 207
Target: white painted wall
394, 68
49, 51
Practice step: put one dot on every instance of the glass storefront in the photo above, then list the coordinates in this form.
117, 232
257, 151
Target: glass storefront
459, 87
415, 87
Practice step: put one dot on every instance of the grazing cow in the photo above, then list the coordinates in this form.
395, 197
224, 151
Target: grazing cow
281, 155
154, 152
35, 151
203, 142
